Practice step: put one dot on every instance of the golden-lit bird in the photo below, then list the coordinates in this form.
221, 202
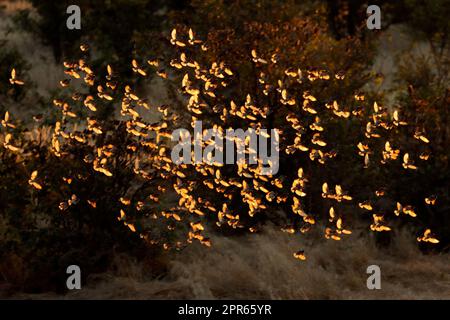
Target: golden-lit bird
32, 180
407, 163
13, 80
428, 237
418, 134
366, 205
6, 121
431, 200
300, 255
379, 224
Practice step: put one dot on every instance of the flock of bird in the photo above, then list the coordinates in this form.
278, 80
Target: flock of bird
208, 190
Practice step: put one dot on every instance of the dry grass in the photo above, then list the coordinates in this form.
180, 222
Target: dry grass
262, 267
